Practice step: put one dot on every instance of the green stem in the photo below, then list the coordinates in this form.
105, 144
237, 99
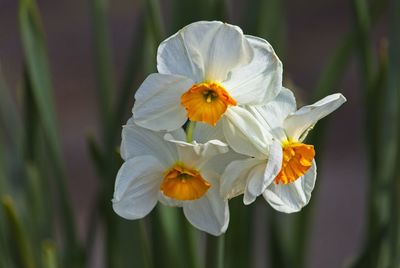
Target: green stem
238, 255
278, 257
215, 251
168, 227
144, 238
189, 236
190, 130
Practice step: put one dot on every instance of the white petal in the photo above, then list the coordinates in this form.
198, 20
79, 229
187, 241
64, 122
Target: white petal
138, 141
292, 197
261, 176
211, 212
272, 115
170, 202
173, 57
204, 51
235, 177
306, 117
259, 81
158, 102
205, 132
177, 135
196, 154
244, 134
219, 162
137, 186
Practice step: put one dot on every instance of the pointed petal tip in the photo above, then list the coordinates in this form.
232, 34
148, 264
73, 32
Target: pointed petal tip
339, 96
248, 200
342, 97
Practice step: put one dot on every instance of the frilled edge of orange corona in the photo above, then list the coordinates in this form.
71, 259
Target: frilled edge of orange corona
297, 160
206, 102
183, 183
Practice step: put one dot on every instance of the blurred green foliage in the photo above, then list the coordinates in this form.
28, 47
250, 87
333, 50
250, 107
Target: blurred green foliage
37, 226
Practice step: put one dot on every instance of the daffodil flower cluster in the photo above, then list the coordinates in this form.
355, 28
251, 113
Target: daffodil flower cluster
244, 134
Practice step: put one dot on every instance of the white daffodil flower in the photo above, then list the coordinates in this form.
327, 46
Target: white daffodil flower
205, 71
252, 176
162, 167
289, 188
292, 187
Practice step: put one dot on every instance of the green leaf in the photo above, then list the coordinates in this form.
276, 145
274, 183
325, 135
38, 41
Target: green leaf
389, 142
49, 255
125, 98
281, 255
40, 83
215, 250
3, 169
155, 20
10, 137
238, 255
38, 70
329, 80
362, 28
190, 242
272, 25
168, 226
153, 35
24, 248
10, 122
335, 68
145, 241
98, 162
39, 211
186, 12
5, 255
103, 61
383, 128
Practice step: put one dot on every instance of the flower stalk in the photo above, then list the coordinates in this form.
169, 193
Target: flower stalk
215, 250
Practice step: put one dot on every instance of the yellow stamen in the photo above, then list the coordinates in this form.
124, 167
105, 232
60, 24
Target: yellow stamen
297, 159
183, 183
206, 102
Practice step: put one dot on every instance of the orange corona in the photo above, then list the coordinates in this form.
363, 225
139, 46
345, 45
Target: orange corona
206, 102
183, 183
297, 159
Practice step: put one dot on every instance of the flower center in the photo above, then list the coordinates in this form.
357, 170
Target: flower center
206, 102
297, 159
183, 183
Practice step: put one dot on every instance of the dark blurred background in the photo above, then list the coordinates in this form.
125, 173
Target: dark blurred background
312, 31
